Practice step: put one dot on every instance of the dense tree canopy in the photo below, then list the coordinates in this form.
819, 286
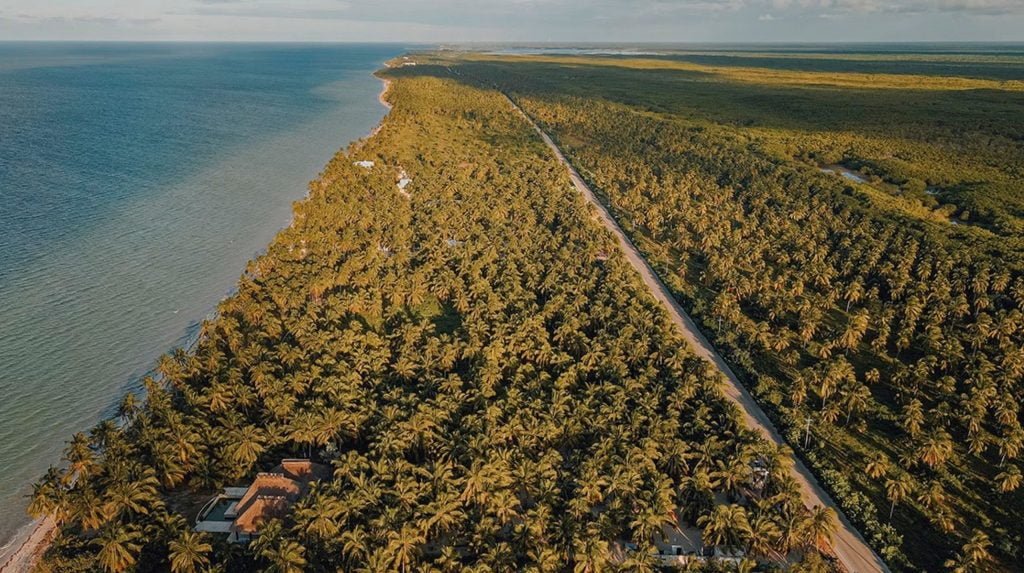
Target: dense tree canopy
887, 338
491, 383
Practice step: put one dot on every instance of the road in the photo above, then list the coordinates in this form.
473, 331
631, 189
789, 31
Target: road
850, 548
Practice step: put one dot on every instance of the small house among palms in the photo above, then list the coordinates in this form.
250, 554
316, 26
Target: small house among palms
677, 545
241, 512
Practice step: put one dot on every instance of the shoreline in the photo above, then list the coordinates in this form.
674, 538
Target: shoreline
31, 541
382, 96
382, 99
32, 546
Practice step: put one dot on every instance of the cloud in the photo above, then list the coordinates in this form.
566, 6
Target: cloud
235, 9
987, 7
975, 7
518, 20
517, 12
82, 19
464, 11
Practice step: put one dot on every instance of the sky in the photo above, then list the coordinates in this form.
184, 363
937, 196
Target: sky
444, 21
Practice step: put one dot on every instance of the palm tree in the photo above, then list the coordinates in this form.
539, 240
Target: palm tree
404, 545
896, 490
504, 506
128, 407
88, 509
445, 513
976, 549
936, 447
1010, 444
972, 556
856, 400
132, 497
183, 440
818, 527
933, 496
478, 482
853, 293
855, 330
118, 548
82, 462
318, 516
733, 475
913, 417
976, 443
246, 446
1009, 479
649, 522
697, 494
727, 525
167, 462
188, 553
305, 429
286, 556
105, 435
746, 565
50, 497
589, 553
765, 536
877, 467
959, 564
337, 426
354, 545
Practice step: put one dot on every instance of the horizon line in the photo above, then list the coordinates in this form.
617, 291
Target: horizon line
585, 43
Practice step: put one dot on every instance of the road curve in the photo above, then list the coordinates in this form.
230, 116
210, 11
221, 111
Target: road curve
851, 549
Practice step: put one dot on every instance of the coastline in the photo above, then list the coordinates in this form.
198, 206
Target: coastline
382, 98
29, 543
39, 533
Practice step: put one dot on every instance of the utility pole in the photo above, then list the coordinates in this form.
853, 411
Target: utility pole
807, 433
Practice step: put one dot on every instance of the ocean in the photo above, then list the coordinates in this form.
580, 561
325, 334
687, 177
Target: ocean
136, 181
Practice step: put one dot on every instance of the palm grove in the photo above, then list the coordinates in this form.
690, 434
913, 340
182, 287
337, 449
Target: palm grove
886, 338
490, 382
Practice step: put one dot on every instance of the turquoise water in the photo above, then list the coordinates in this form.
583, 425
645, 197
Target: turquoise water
136, 180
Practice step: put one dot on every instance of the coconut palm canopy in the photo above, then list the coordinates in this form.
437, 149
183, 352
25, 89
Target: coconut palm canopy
496, 388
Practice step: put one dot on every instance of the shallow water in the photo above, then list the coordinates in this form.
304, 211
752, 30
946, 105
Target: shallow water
136, 180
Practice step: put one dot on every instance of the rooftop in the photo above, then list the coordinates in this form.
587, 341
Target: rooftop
269, 496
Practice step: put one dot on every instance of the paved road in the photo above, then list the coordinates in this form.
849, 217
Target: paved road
849, 546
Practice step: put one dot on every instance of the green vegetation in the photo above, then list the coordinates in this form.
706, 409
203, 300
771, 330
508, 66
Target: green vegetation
879, 322
979, 65
492, 384
948, 146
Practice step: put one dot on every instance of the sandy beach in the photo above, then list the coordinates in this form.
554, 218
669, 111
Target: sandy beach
28, 547
382, 98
